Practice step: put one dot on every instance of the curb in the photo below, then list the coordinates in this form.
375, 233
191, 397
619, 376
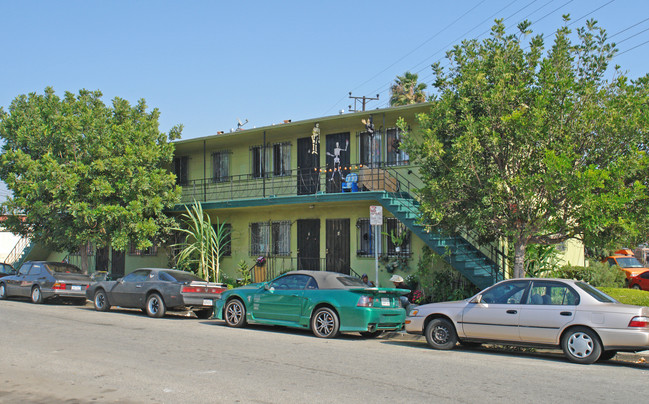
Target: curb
637, 357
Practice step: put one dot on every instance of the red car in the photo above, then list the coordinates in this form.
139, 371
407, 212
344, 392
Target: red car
640, 281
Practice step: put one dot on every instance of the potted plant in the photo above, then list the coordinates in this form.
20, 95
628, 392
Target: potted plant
399, 237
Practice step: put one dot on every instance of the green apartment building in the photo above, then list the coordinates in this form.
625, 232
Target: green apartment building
300, 193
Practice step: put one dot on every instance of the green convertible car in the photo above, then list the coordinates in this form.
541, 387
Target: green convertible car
326, 302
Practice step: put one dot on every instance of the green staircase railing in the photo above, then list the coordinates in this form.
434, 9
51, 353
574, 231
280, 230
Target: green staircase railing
482, 265
20, 251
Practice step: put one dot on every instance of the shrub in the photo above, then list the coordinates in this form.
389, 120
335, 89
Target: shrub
439, 281
628, 296
598, 274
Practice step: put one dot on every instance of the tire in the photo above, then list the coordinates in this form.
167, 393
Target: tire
204, 314
373, 334
607, 356
36, 296
581, 345
155, 306
636, 286
101, 301
3, 291
235, 313
440, 334
325, 323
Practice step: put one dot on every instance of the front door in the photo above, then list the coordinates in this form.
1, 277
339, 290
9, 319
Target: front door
337, 161
338, 245
118, 263
308, 160
308, 244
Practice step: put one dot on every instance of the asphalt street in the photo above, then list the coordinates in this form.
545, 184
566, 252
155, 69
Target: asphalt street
70, 354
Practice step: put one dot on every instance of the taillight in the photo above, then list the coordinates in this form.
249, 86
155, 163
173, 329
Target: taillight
201, 289
365, 301
639, 321
58, 286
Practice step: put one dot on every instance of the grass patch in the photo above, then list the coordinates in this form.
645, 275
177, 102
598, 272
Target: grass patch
628, 296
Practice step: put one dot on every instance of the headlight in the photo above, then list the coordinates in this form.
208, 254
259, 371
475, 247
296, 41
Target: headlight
413, 313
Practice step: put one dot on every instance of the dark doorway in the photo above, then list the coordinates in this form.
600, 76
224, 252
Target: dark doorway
338, 245
102, 261
308, 177
118, 263
337, 160
308, 244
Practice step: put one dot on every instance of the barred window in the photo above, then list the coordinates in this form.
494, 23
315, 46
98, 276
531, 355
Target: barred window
90, 250
365, 238
394, 226
369, 148
181, 170
150, 251
221, 166
281, 159
394, 154
270, 238
259, 238
281, 236
258, 161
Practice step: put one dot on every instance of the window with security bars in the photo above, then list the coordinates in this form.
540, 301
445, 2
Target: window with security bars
394, 226
90, 250
395, 156
281, 159
270, 238
259, 161
365, 235
221, 166
369, 151
181, 164
150, 251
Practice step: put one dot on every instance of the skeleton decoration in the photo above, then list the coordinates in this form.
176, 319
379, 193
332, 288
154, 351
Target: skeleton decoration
315, 138
369, 125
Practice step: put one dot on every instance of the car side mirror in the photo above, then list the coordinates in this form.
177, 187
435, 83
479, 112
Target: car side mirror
266, 286
476, 300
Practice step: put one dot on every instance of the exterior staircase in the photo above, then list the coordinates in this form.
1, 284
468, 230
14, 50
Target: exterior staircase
20, 251
483, 265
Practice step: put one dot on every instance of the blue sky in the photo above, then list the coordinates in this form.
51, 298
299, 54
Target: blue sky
205, 64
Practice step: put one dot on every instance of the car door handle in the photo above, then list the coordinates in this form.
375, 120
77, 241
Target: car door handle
566, 313
512, 311
138, 286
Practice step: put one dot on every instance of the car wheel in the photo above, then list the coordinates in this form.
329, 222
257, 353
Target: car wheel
3, 291
371, 334
581, 345
607, 356
37, 296
155, 306
101, 301
325, 323
440, 334
204, 314
235, 313
636, 286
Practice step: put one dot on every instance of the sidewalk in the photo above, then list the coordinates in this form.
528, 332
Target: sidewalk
638, 357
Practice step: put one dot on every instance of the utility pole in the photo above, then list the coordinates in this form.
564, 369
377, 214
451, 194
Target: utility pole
364, 101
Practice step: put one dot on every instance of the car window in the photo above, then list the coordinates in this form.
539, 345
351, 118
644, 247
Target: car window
171, 276
25, 269
628, 262
62, 267
312, 284
137, 276
351, 281
612, 262
36, 269
552, 293
506, 293
290, 282
6, 269
596, 293
645, 275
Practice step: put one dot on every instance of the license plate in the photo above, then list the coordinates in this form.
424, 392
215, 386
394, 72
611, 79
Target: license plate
385, 301
207, 302
75, 287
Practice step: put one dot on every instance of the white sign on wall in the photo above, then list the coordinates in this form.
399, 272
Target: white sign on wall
376, 215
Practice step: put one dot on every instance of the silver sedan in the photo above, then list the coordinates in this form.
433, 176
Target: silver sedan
580, 319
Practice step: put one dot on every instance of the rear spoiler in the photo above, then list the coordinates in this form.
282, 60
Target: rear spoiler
381, 290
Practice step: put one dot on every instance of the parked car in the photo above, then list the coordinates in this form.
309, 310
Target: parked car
326, 302
43, 280
640, 281
627, 262
586, 323
6, 270
156, 291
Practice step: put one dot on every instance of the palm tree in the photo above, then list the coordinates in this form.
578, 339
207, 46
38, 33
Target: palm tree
406, 90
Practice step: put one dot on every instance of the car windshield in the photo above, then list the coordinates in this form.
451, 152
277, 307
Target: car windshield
174, 276
63, 268
596, 293
628, 262
351, 281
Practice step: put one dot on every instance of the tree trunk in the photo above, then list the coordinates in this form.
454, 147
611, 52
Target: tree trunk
519, 258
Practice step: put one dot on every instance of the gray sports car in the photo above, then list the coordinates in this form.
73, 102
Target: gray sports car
586, 323
43, 280
156, 290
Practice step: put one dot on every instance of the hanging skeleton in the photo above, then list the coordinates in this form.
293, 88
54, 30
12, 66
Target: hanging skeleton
315, 138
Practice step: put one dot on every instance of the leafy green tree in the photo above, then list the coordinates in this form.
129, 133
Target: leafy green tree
83, 172
406, 90
204, 244
534, 147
